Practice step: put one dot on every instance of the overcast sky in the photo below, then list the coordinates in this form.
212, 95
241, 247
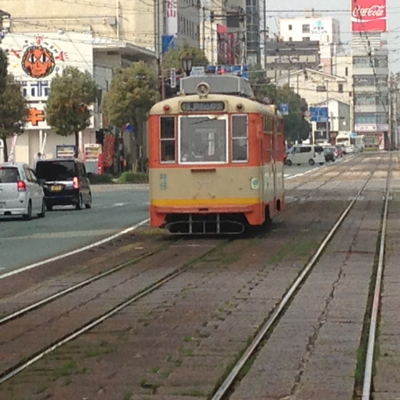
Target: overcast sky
339, 9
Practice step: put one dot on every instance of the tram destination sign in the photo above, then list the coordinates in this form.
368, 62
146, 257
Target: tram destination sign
203, 106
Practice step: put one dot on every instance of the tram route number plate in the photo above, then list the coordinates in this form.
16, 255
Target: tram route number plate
203, 106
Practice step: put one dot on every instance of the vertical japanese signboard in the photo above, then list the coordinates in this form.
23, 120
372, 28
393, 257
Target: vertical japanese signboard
369, 15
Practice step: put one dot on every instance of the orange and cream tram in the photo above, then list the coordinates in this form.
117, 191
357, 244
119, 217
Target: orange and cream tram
215, 158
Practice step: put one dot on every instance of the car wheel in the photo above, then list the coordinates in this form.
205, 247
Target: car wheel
49, 208
79, 205
311, 162
28, 216
288, 163
43, 212
89, 204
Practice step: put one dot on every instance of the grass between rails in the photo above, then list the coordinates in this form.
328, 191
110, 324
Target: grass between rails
363, 346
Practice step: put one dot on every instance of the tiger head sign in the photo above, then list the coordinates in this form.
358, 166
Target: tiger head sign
39, 57
38, 61
368, 16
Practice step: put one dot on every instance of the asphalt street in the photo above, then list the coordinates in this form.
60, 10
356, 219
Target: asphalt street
64, 229
115, 207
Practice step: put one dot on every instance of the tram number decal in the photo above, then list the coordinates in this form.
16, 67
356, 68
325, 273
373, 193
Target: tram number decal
203, 106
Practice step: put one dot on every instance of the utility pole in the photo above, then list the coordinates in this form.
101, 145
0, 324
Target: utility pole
327, 111
204, 28
265, 33
156, 36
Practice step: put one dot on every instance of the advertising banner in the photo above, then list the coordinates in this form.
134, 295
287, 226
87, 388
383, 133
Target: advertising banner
171, 18
368, 15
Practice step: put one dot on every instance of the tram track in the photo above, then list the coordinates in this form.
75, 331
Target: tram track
151, 279
367, 387
89, 326
227, 387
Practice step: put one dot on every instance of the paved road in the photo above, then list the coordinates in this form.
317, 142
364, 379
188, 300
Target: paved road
114, 208
64, 229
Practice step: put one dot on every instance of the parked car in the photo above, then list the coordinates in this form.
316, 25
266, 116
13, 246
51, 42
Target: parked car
20, 192
305, 154
65, 182
329, 153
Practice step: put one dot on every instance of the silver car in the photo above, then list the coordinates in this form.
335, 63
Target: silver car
20, 192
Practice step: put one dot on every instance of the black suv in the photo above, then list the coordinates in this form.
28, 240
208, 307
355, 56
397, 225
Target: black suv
65, 182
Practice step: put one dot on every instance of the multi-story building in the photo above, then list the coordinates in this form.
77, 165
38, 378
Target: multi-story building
314, 27
320, 89
253, 29
223, 31
282, 57
371, 91
122, 21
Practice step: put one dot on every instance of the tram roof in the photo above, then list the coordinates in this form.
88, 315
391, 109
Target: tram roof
249, 105
221, 84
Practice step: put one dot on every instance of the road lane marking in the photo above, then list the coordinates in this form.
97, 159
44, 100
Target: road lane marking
73, 252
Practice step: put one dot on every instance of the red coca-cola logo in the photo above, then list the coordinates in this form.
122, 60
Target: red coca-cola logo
373, 11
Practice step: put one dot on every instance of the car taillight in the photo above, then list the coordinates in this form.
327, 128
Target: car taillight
76, 182
21, 186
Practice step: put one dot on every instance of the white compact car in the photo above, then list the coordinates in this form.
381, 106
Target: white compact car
20, 192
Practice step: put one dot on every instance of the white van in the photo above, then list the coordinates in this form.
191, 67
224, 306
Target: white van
306, 154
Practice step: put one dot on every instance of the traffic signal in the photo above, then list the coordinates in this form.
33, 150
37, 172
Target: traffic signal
212, 16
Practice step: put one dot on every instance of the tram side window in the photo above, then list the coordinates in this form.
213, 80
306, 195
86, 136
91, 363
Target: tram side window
239, 138
167, 139
267, 125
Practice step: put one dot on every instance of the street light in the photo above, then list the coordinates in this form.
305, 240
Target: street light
187, 64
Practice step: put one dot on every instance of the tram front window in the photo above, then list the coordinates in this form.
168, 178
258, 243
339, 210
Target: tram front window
203, 140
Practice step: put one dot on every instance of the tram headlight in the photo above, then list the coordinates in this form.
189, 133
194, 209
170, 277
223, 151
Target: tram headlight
203, 89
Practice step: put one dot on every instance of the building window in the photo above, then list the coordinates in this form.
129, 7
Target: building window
290, 39
346, 71
167, 139
306, 28
290, 27
306, 39
340, 88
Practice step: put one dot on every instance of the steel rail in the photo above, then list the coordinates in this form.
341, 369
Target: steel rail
70, 289
11, 372
230, 379
298, 199
369, 362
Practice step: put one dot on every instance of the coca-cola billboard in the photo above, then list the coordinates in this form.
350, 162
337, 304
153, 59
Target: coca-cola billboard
368, 15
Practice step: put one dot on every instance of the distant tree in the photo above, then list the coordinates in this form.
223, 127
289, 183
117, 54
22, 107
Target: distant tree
132, 93
13, 106
173, 57
296, 127
67, 110
257, 78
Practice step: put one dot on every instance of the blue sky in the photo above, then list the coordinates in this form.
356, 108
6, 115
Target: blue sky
339, 9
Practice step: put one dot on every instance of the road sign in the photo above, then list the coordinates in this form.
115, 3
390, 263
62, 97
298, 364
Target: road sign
319, 114
284, 108
173, 78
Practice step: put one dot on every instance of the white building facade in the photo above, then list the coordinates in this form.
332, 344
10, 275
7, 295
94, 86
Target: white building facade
34, 60
326, 30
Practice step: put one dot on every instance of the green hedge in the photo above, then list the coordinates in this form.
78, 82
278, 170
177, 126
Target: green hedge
132, 177
100, 179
